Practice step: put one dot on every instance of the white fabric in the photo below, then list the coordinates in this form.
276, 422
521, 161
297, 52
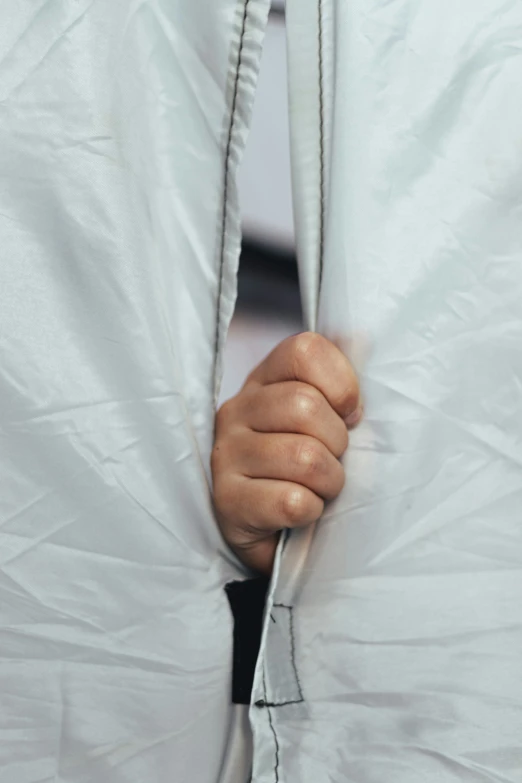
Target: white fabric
407, 611
392, 644
121, 127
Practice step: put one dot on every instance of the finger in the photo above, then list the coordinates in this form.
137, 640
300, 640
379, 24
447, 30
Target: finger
254, 511
313, 359
294, 407
259, 555
253, 508
287, 457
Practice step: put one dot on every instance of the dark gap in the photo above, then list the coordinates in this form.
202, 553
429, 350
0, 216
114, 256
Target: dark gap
268, 282
277, 11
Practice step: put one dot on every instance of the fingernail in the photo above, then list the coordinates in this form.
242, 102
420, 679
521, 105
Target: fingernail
355, 417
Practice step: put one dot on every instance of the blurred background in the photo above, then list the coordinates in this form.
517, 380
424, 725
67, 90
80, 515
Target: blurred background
268, 307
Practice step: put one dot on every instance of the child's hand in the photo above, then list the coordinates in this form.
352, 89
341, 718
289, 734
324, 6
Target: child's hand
278, 443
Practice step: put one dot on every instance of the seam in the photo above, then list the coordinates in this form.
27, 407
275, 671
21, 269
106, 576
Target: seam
272, 729
226, 183
292, 652
263, 703
321, 139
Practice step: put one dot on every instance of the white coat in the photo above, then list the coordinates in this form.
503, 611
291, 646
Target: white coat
392, 643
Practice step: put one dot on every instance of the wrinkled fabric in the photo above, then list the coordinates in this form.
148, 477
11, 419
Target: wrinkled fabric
121, 128
398, 658
393, 631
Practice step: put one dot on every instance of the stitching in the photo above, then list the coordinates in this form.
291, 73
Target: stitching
276, 768
292, 653
321, 139
276, 741
226, 183
263, 703
270, 704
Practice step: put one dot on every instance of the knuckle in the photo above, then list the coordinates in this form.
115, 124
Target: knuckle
293, 505
307, 344
309, 457
307, 403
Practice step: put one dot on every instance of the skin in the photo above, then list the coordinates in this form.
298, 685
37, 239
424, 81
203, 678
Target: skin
278, 444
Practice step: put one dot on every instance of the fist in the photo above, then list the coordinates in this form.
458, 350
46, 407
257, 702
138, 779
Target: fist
278, 443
